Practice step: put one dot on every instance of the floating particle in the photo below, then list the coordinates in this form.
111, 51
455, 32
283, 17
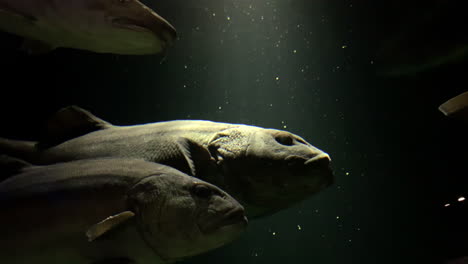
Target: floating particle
228, 18
347, 173
185, 66
337, 217
274, 233
371, 62
447, 205
294, 51
285, 126
461, 199
214, 14
299, 227
255, 254
271, 105
344, 47
185, 86
220, 108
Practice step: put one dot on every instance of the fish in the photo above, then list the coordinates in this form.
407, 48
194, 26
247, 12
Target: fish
111, 210
456, 107
125, 27
266, 170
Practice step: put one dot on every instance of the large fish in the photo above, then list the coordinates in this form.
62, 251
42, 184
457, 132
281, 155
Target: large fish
111, 211
104, 26
264, 169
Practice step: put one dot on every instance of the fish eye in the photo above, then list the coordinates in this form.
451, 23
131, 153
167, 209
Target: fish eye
202, 191
284, 139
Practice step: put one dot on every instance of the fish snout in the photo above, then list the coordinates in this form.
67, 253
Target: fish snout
218, 218
234, 216
161, 27
322, 159
319, 160
319, 166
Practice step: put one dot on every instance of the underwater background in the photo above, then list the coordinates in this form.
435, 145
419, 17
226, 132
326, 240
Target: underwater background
360, 80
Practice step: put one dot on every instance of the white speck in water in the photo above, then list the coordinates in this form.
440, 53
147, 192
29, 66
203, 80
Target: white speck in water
285, 126
447, 205
461, 199
371, 62
299, 227
337, 217
214, 14
344, 47
185, 66
219, 107
347, 173
271, 105
294, 51
274, 233
228, 18
277, 78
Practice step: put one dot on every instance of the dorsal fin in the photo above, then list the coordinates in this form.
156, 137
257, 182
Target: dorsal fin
69, 122
10, 166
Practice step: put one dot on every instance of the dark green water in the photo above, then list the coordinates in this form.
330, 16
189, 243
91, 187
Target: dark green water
309, 67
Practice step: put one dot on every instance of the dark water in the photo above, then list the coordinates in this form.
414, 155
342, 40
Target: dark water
309, 67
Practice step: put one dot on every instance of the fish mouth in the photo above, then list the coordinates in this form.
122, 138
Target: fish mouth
321, 160
317, 165
131, 24
164, 30
234, 216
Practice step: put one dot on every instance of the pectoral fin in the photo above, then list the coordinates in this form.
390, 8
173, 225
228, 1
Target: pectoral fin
193, 153
68, 123
108, 224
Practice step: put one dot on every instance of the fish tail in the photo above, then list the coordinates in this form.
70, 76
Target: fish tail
25, 150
